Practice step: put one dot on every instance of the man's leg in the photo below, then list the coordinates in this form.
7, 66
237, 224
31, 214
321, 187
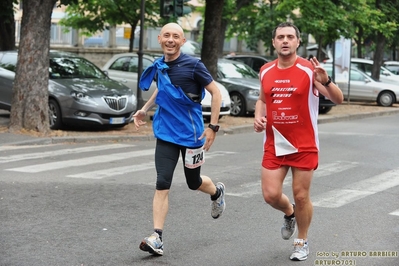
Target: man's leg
166, 157
301, 181
303, 211
160, 207
272, 189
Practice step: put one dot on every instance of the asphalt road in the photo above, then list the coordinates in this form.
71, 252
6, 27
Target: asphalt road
90, 204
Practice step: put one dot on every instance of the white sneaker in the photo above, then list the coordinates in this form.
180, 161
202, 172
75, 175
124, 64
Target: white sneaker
152, 244
218, 205
301, 250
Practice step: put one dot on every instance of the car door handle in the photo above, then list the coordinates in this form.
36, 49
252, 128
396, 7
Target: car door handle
124, 80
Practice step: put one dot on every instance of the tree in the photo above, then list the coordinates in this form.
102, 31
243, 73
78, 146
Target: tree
29, 106
211, 36
91, 16
7, 25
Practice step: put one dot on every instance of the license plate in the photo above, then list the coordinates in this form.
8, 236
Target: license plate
116, 120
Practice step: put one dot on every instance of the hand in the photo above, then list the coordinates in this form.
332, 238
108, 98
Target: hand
260, 124
320, 74
209, 136
138, 119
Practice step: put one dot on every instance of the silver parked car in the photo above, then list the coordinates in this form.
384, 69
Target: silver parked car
364, 88
80, 94
124, 67
392, 66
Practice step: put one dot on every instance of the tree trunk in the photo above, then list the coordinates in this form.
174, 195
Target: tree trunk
7, 25
30, 92
378, 55
213, 19
223, 28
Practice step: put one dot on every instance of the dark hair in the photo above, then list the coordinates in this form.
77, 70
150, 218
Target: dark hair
286, 24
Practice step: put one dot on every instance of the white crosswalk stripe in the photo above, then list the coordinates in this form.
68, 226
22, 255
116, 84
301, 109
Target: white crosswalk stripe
36, 155
79, 162
130, 169
114, 171
358, 190
395, 212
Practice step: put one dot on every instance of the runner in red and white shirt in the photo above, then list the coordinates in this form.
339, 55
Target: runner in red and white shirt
287, 110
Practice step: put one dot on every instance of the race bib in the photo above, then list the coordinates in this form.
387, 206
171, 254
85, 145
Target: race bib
194, 158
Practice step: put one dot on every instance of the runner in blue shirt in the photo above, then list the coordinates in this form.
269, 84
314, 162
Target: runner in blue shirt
178, 127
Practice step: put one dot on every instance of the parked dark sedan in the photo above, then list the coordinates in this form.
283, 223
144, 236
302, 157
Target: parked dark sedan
242, 83
254, 61
80, 94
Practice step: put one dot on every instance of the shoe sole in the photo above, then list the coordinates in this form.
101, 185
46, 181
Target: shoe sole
147, 248
299, 259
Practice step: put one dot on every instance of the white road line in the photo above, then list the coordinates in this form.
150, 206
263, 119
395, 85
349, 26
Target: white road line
250, 189
326, 170
28, 156
80, 162
358, 190
132, 168
114, 171
333, 168
395, 212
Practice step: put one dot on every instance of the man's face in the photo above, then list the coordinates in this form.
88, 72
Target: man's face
171, 39
285, 42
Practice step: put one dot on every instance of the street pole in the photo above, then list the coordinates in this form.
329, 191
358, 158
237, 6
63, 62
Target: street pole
140, 54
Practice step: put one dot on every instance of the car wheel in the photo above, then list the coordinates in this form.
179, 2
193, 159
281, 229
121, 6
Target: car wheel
237, 104
385, 98
324, 109
54, 114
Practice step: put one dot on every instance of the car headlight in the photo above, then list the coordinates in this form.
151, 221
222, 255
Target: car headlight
253, 92
82, 97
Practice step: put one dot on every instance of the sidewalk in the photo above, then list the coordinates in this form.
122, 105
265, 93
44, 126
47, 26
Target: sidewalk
229, 125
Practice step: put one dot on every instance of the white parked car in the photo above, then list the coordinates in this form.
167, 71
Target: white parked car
363, 88
392, 66
124, 68
366, 66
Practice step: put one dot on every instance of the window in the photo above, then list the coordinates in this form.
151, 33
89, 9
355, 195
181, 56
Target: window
121, 64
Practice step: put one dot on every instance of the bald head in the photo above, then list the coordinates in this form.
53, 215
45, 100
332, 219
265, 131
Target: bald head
171, 38
172, 27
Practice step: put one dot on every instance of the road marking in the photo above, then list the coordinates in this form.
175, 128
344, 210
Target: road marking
249, 190
326, 170
81, 162
29, 156
110, 172
100, 174
358, 190
395, 212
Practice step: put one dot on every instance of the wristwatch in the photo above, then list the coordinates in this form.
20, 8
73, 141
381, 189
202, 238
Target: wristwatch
328, 82
215, 128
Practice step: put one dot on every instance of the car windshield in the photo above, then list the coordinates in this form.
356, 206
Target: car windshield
73, 67
236, 70
192, 48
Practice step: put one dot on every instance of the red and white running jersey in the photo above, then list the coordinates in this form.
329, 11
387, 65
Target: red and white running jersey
292, 106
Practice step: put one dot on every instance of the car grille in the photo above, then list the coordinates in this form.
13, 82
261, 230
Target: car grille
116, 103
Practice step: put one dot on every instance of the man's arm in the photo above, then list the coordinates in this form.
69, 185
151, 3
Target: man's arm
140, 114
216, 102
260, 113
208, 133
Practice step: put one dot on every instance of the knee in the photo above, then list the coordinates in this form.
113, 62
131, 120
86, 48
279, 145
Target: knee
163, 184
301, 198
194, 184
271, 198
